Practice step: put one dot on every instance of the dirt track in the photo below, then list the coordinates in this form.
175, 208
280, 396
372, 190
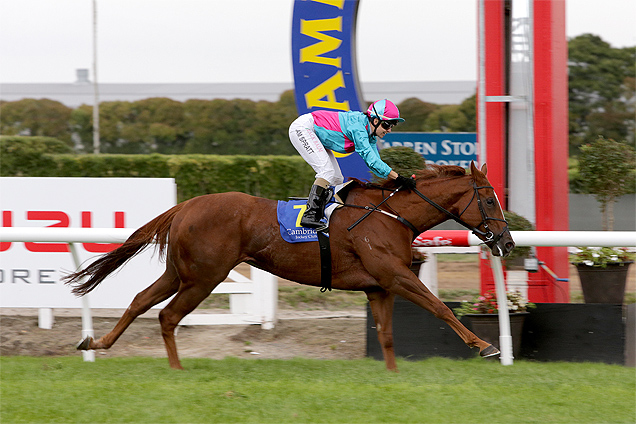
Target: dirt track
323, 334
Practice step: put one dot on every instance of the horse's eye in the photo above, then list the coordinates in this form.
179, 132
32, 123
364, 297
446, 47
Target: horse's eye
490, 201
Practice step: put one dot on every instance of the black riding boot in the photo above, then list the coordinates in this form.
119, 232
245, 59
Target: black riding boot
318, 197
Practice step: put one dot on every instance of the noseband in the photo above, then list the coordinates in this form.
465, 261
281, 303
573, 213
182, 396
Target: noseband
489, 237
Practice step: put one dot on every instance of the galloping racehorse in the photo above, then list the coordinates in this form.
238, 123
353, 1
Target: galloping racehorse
207, 236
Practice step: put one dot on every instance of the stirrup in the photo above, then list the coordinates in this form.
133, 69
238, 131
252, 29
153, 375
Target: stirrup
316, 225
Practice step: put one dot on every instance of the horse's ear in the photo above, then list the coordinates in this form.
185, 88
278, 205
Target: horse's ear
473, 168
484, 169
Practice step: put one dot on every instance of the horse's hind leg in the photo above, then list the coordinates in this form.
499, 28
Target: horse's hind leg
381, 303
188, 298
160, 290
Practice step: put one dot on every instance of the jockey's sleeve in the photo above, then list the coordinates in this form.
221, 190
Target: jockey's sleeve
368, 150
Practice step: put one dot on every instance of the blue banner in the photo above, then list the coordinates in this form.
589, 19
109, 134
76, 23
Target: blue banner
438, 148
324, 63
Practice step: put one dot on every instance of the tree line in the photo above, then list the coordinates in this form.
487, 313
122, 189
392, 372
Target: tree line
227, 127
601, 102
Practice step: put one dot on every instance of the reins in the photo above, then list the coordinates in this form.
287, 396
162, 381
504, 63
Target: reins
488, 235
375, 208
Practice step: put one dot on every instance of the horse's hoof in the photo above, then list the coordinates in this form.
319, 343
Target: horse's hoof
84, 344
489, 351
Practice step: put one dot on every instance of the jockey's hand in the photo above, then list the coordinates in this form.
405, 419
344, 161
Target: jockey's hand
408, 182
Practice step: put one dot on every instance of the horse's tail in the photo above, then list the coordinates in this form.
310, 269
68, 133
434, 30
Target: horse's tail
155, 230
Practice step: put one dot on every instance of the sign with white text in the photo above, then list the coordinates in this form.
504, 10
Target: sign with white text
438, 148
30, 272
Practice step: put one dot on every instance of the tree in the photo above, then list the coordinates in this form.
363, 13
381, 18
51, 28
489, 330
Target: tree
469, 109
448, 118
161, 119
118, 128
42, 117
601, 91
607, 170
273, 125
81, 126
416, 111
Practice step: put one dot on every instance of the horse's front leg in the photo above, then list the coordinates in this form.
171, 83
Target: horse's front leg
381, 303
406, 284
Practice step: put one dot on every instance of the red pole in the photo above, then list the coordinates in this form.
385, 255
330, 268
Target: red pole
551, 135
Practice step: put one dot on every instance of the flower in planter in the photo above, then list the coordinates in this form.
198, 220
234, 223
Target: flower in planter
601, 257
487, 304
417, 255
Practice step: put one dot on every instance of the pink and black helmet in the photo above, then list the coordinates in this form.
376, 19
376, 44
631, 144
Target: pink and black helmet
385, 110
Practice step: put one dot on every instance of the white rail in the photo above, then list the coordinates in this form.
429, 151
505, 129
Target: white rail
539, 238
65, 235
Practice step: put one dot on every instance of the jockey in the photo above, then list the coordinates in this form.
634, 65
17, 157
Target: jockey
318, 134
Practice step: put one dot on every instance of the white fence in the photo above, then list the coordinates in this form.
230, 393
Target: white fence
535, 238
252, 301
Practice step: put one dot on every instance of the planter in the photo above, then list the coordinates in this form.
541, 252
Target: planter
486, 327
603, 285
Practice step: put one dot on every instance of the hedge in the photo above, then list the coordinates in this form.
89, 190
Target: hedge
273, 177
29, 156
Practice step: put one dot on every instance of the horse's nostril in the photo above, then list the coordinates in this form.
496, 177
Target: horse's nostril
509, 246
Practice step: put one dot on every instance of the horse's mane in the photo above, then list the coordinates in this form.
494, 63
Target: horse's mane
440, 171
431, 171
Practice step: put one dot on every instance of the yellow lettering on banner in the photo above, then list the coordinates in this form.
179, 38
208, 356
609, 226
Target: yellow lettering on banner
327, 43
341, 155
327, 89
301, 211
338, 3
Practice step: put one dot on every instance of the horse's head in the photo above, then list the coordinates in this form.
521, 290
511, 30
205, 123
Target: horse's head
485, 214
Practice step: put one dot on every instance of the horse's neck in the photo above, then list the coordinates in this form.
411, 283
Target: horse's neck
445, 193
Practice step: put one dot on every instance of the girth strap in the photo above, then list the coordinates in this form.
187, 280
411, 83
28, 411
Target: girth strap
325, 260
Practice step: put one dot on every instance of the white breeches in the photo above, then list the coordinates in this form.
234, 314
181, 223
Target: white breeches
323, 161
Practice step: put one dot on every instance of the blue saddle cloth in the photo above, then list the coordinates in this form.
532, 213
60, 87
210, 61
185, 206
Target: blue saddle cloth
289, 214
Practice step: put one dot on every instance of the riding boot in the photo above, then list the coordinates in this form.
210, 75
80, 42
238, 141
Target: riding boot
318, 197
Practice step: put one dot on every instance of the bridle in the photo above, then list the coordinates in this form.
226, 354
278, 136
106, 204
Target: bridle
489, 238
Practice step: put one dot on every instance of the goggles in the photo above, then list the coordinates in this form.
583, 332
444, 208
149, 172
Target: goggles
387, 125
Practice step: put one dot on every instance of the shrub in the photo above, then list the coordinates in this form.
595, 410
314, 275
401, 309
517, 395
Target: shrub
273, 177
23, 156
517, 222
606, 170
403, 160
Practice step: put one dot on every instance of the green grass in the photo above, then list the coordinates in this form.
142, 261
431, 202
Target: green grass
457, 295
458, 257
303, 297
141, 390
313, 298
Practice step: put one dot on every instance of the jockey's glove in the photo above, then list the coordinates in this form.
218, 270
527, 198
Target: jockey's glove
408, 182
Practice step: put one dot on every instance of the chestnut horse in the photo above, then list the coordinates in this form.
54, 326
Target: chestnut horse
207, 236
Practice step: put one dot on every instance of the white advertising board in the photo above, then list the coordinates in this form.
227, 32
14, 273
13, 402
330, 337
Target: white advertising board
30, 273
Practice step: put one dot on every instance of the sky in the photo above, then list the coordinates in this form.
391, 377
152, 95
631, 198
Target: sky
208, 41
